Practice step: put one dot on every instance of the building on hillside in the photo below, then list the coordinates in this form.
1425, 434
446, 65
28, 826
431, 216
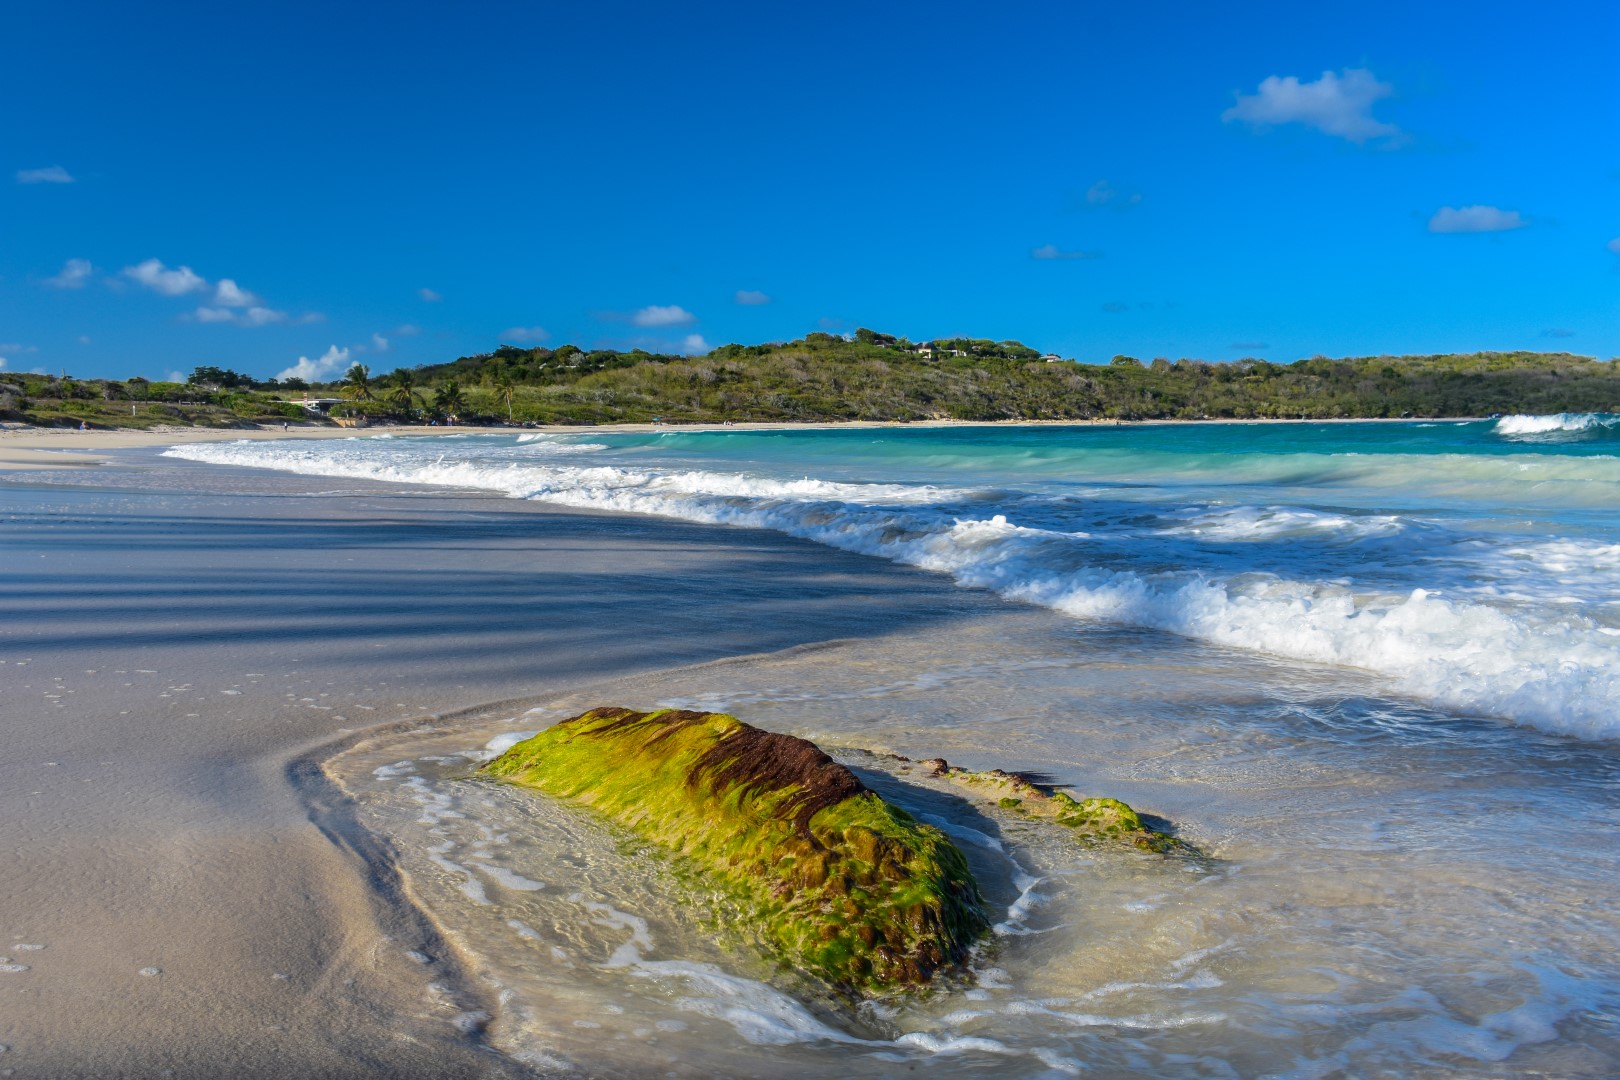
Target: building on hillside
321, 406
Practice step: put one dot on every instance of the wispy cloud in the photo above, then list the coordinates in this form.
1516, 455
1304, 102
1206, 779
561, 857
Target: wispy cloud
1052, 251
525, 334
1475, 219
752, 298
694, 345
379, 343
159, 278
1102, 193
334, 361
1338, 105
407, 330
663, 315
229, 304
1614, 245
75, 272
51, 174
10, 349
253, 316
429, 295
228, 294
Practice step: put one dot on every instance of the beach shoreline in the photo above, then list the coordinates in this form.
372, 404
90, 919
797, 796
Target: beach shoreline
23, 446
184, 638
242, 702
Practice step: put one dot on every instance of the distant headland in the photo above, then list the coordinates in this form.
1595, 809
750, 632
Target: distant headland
826, 378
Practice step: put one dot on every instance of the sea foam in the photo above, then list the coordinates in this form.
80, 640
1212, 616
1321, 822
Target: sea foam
1556, 669
1566, 423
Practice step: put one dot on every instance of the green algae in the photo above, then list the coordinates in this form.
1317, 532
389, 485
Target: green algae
1091, 820
838, 882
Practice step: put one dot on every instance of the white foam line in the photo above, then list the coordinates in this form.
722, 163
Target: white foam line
1557, 673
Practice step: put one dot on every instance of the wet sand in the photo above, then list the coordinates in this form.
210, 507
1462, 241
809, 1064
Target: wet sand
179, 640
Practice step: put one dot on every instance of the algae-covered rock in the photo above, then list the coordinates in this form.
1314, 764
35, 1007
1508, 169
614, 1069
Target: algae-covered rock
843, 884
1090, 819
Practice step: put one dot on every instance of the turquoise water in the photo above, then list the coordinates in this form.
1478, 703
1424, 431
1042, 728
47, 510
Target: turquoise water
1370, 670
1475, 566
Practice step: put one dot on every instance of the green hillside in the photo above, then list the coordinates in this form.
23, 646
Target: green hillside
824, 378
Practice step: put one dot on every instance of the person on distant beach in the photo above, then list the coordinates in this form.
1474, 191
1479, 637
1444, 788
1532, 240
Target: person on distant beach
84, 425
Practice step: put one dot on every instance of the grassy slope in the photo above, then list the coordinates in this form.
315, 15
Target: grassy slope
833, 381
825, 379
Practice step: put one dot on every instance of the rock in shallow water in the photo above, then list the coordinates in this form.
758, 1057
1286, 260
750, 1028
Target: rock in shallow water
843, 884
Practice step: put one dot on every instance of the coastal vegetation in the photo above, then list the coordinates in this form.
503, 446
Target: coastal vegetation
829, 378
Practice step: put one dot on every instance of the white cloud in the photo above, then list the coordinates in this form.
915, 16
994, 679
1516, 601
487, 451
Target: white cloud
693, 345
429, 295
525, 333
84, 339
1614, 245
52, 174
379, 343
663, 315
253, 316
1052, 251
1334, 104
159, 278
334, 361
14, 348
261, 316
3, 362
228, 294
1475, 219
752, 297
230, 304
407, 330
75, 272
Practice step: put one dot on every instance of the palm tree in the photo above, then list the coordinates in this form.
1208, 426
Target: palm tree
506, 392
402, 390
448, 400
357, 383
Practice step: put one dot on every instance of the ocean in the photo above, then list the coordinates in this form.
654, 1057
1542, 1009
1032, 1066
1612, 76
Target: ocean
1371, 670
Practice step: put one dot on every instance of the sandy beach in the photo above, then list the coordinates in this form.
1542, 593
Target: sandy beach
245, 684
173, 647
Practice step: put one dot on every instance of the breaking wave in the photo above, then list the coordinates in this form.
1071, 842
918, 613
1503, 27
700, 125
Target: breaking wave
1557, 424
1553, 667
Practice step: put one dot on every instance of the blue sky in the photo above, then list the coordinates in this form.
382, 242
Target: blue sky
256, 185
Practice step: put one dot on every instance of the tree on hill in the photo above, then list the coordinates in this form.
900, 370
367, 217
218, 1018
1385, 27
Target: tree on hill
448, 399
402, 392
357, 383
223, 378
505, 390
